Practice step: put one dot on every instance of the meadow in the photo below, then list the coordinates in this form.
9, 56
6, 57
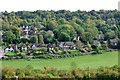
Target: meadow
91, 61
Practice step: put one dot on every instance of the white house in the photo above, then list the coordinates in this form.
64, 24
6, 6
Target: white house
33, 46
23, 48
9, 49
1, 50
100, 36
67, 45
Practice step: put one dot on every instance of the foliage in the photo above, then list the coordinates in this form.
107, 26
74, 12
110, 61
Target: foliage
34, 39
40, 39
64, 24
52, 73
78, 45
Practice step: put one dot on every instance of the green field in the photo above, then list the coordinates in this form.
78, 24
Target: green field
92, 61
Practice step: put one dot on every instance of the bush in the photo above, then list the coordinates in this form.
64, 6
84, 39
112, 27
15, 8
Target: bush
102, 73
64, 51
82, 51
110, 50
104, 46
98, 51
94, 52
69, 52
94, 47
56, 49
100, 48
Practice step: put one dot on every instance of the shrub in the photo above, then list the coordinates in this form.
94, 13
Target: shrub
8, 72
64, 51
104, 46
17, 51
100, 48
82, 51
98, 51
94, 52
69, 52
94, 47
56, 49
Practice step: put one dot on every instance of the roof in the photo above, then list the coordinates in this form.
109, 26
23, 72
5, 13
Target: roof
22, 44
68, 43
36, 45
40, 31
23, 34
51, 45
114, 40
1, 48
49, 31
12, 45
96, 41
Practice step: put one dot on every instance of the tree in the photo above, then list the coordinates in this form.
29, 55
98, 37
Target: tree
9, 37
48, 38
16, 31
66, 31
77, 28
110, 35
62, 21
5, 26
25, 39
37, 25
51, 25
34, 39
63, 36
86, 37
93, 31
78, 44
56, 49
40, 39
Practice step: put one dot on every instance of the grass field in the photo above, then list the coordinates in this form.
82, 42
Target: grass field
92, 61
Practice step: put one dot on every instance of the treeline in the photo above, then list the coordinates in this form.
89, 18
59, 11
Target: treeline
65, 25
101, 73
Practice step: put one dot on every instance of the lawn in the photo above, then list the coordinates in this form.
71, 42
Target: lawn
73, 51
10, 54
60, 51
92, 61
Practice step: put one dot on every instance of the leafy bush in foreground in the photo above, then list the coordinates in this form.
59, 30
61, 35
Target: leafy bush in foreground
76, 73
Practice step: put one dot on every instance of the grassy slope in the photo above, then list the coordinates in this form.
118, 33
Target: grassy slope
93, 61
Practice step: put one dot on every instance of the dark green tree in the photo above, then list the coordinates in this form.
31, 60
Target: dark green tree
9, 37
34, 39
40, 39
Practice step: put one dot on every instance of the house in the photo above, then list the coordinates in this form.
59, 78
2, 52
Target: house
113, 42
1, 50
25, 30
42, 26
106, 42
32, 46
51, 46
104, 22
97, 43
77, 38
67, 45
24, 34
23, 47
100, 36
11, 48
34, 34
